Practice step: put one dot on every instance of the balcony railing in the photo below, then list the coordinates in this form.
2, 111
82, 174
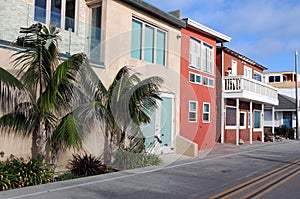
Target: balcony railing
76, 36
241, 87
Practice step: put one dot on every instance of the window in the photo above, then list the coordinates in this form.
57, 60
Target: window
55, 15
257, 76
275, 78
249, 120
70, 15
195, 78
247, 72
201, 56
62, 13
95, 34
148, 46
206, 112
208, 82
257, 119
208, 58
230, 116
233, 67
40, 11
193, 111
242, 120
195, 53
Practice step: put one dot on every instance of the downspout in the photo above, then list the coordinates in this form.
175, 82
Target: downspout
222, 99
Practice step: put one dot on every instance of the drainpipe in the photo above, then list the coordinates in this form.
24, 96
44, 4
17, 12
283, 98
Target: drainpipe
222, 99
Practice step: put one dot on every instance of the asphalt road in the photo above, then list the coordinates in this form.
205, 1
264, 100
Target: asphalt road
249, 171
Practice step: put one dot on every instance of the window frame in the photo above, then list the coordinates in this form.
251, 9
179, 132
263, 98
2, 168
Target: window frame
208, 81
249, 120
195, 74
260, 112
193, 111
245, 120
249, 70
258, 73
231, 126
48, 11
201, 57
143, 39
204, 112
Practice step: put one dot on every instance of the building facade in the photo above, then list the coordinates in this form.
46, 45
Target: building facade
243, 97
113, 34
198, 83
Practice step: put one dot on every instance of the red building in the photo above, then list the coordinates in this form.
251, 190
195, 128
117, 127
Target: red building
241, 97
198, 83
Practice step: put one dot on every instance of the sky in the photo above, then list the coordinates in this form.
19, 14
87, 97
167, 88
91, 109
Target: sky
266, 31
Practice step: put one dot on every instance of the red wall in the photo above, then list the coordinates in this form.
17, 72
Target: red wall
204, 134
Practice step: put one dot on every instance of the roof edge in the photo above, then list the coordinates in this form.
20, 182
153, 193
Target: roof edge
219, 36
142, 5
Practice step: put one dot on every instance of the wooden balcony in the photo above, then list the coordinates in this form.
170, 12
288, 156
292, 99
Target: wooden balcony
249, 89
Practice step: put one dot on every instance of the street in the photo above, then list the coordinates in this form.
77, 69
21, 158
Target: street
269, 170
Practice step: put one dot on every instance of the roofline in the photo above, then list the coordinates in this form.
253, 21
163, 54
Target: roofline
208, 31
283, 72
144, 6
242, 57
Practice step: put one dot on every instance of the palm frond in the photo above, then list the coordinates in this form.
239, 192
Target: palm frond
67, 134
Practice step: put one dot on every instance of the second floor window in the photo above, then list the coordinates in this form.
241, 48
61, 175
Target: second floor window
148, 43
257, 76
62, 13
201, 56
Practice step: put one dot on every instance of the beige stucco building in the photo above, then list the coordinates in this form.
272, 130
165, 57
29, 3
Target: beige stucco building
113, 33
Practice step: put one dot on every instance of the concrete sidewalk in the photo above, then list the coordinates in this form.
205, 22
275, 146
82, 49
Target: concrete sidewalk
175, 168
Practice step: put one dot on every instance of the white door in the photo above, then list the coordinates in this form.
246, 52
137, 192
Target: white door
234, 68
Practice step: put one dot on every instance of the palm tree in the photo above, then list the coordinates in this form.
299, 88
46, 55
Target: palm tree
43, 85
120, 109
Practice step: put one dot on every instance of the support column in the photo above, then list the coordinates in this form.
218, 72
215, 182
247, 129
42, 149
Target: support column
251, 121
237, 117
273, 122
262, 123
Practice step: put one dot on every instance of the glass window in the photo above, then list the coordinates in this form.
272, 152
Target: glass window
257, 76
55, 16
195, 53
206, 112
271, 78
208, 82
160, 47
257, 119
70, 15
242, 119
195, 78
40, 11
136, 40
149, 44
277, 78
193, 111
249, 120
95, 35
208, 58
230, 116
247, 72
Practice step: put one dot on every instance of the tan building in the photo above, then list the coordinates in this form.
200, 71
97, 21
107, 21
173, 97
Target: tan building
113, 33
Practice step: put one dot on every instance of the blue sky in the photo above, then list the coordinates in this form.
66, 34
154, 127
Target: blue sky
266, 31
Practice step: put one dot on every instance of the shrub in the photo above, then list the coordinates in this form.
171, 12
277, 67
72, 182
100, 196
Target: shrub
66, 176
285, 131
17, 173
86, 165
129, 160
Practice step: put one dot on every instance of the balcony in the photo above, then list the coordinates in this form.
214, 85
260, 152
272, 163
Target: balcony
249, 89
76, 36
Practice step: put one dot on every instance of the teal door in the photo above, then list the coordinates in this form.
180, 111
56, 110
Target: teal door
158, 133
166, 118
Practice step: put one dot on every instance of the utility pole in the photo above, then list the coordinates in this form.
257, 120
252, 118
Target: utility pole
297, 114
